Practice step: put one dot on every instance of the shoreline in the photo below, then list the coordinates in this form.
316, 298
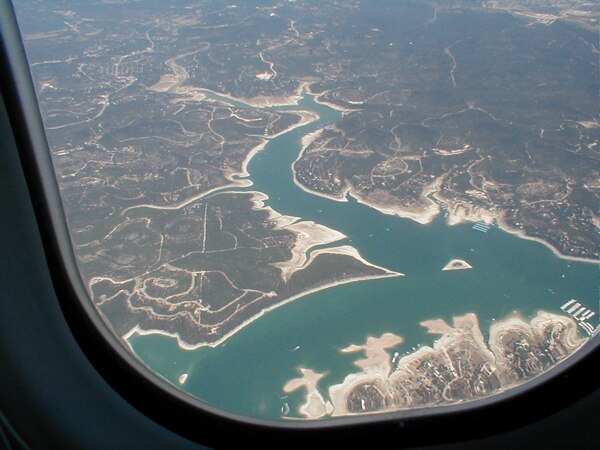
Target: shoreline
376, 369
335, 106
515, 322
348, 250
429, 214
315, 405
258, 199
306, 140
423, 218
463, 327
185, 346
341, 199
454, 218
237, 179
306, 118
457, 264
521, 234
309, 235
263, 101
320, 101
426, 218
271, 101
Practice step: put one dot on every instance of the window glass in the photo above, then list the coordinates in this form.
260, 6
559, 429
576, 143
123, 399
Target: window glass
306, 209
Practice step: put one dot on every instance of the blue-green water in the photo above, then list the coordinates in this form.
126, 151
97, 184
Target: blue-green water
246, 373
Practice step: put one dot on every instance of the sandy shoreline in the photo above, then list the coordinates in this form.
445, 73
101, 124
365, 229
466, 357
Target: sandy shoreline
377, 360
458, 214
520, 233
300, 260
305, 142
309, 378
518, 325
306, 117
263, 101
348, 250
320, 101
308, 139
275, 100
427, 216
489, 217
341, 199
394, 387
309, 234
237, 179
461, 215
185, 346
437, 326
376, 368
315, 405
331, 105
423, 217
251, 154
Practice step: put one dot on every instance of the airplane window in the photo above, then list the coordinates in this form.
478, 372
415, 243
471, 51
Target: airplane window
299, 209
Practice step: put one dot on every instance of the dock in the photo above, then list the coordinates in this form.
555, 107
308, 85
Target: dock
482, 227
580, 313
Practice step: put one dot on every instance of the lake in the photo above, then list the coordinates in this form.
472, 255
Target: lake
246, 374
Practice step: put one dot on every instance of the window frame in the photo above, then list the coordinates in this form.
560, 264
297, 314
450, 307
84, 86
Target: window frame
195, 419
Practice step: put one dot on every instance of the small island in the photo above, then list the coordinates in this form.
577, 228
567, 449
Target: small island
457, 264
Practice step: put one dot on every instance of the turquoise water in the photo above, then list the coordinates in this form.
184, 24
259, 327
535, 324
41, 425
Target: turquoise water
246, 374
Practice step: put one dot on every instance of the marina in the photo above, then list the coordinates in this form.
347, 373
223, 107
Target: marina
581, 313
482, 227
